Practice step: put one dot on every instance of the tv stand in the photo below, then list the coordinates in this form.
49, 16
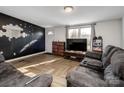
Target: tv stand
78, 55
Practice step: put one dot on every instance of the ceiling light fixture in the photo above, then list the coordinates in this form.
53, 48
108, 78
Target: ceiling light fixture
68, 9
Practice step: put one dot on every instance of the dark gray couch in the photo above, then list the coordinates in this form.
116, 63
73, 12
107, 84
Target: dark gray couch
11, 77
107, 71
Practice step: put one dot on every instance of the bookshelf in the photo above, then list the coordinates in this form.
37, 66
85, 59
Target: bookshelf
97, 44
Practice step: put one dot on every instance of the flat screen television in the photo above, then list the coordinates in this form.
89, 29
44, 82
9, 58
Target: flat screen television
77, 44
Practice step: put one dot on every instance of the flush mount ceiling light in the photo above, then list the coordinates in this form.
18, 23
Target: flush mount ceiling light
68, 9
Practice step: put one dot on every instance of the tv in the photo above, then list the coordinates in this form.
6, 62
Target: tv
77, 44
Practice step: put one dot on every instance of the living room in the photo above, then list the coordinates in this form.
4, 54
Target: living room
61, 46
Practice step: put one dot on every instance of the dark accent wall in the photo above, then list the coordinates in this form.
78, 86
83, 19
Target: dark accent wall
20, 38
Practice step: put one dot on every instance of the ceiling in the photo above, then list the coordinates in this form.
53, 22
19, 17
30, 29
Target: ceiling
48, 16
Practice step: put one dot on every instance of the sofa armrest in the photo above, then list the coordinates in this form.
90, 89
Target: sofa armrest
44, 80
95, 64
92, 63
95, 55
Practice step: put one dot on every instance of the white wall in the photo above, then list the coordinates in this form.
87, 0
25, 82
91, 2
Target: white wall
110, 31
59, 34
122, 33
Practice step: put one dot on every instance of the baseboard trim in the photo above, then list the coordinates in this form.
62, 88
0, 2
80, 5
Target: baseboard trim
24, 57
49, 53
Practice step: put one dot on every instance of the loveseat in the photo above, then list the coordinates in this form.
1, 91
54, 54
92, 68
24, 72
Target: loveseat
99, 70
11, 77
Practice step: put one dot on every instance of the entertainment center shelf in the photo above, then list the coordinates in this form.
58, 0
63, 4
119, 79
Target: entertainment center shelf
78, 55
74, 48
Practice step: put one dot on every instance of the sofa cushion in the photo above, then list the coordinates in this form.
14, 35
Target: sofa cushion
117, 62
6, 70
95, 63
81, 79
106, 60
108, 73
91, 63
11, 77
44, 80
107, 50
13, 80
111, 79
2, 59
94, 55
89, 71
115, 83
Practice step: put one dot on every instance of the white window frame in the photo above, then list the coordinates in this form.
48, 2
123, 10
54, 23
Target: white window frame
79, 32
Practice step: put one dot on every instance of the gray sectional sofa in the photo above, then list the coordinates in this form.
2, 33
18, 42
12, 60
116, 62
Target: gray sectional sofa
99, 70
11, 77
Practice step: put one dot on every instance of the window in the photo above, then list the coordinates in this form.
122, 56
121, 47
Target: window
81, 32
73, 33
86, 33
